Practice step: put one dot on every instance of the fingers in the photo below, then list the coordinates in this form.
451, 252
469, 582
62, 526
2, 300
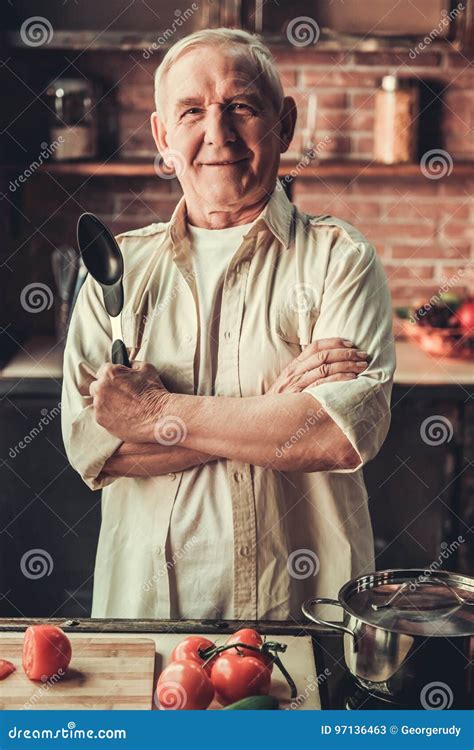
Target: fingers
322, 361
332, 378
103, 370
146, 368
324, 372
329, 356
107, 369
322, 344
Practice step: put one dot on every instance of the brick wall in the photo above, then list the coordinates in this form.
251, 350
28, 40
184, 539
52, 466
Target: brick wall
423, 228
423, 232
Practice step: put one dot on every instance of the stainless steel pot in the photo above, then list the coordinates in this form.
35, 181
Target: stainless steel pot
408, 635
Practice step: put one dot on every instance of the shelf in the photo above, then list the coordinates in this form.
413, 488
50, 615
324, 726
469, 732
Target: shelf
354, 168
127, 41
102, 169
328, 168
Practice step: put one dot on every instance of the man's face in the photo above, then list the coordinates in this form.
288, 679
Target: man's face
222, 126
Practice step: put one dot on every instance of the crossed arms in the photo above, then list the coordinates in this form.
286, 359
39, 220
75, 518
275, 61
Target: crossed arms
253, 429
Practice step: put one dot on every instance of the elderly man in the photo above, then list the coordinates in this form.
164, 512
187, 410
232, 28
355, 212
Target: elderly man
231, 452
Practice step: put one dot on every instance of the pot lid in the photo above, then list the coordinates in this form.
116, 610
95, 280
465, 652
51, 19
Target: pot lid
417, 602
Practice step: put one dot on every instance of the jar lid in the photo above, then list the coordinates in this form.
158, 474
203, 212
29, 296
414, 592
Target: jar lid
417, 602
393, 82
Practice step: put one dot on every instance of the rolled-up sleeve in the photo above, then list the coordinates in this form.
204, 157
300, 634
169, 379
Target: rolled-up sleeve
356, 305
88, 345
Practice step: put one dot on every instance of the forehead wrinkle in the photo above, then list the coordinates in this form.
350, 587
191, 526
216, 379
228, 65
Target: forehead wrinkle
242, 75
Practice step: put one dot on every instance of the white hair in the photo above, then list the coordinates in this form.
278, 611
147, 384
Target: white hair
248, 45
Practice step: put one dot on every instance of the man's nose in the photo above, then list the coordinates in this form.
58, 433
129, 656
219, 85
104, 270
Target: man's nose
218, 128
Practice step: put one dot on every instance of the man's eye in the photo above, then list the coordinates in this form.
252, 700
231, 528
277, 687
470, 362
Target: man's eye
239, 106
191, 111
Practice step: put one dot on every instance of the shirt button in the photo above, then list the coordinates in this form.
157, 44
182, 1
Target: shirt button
172, 476
188, 338
238, 476
159, 550
228, 335
244, 551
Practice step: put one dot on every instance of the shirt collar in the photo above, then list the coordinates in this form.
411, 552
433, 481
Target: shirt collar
276, 216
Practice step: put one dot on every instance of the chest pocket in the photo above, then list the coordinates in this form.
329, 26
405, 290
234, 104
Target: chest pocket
295, 324
133, 325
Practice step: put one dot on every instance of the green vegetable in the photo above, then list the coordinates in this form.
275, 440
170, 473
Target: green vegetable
451, 299
402, 312
254, 703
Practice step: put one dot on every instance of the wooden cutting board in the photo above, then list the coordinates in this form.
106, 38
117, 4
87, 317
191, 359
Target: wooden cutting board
115, 671
105, 673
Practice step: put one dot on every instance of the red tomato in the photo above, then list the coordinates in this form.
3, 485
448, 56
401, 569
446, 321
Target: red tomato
183, 686
250, 638
189, 649
46, 652
235, 677
6, 668
465, 315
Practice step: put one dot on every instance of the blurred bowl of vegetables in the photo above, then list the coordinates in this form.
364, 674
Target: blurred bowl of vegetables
443, 326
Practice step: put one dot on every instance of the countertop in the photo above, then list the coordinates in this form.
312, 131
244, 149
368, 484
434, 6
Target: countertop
326, 692
41, 357
298, 659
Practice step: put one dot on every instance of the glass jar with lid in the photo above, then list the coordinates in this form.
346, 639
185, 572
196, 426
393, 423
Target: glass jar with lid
73, 126
396, 115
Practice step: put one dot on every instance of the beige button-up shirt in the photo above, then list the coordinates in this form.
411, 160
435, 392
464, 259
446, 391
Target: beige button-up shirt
293, 280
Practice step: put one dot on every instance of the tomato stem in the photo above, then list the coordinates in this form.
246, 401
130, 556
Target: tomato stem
287, 676
209, 653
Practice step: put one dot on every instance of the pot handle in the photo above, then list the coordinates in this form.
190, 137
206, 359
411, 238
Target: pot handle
416, 582
305, 608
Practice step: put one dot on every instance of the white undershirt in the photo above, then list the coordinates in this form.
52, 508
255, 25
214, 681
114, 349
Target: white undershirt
203, 506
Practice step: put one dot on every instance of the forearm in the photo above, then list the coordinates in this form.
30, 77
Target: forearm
255, 430
149, 460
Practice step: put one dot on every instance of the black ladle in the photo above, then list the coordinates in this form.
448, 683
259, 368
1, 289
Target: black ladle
103, 259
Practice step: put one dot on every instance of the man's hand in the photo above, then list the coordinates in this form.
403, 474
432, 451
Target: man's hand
129, 401
323, 361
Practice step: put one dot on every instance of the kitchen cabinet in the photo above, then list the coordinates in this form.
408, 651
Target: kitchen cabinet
465, 503
308, 22
49, 519
119, 24
420, 487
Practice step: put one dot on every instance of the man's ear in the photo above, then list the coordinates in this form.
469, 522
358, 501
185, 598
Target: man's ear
287, 123
158, 130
